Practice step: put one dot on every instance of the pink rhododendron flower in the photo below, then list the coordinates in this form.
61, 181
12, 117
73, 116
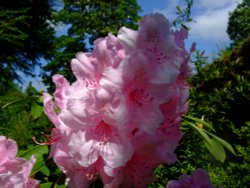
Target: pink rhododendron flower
14, 171
121, 117
199, 179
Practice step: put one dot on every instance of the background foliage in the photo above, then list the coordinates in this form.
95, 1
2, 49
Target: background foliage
220, 91
17, 121
25, 36
238, 23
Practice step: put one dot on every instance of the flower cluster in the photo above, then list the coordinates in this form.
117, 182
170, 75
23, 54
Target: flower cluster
14, 172
121, 117
199, 179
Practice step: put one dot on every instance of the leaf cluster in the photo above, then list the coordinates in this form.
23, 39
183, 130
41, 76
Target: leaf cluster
220, 92
183, 15
239, 22
25, 36
19, 114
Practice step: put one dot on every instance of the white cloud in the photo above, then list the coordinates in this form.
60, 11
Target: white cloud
210, 25
214, 4
211, 16
211, 20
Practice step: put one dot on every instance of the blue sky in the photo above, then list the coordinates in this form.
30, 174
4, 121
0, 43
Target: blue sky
208, 30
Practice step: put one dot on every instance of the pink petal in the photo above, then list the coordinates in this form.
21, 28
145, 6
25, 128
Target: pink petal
8, 149
61, 86
128, 37
200, 178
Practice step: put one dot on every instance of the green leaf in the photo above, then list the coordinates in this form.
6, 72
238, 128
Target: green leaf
223, 142
16, 103
59, 186
200, 121
216, 149
214, 144
39, 152
19, 102
199, 130
36, 109
46, 185
178, 8
45, 170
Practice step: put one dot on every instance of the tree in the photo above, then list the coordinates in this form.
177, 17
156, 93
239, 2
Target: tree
221, 93
239, 22
25, 36
87, 20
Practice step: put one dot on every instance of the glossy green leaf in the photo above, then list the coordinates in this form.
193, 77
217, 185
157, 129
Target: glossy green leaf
59, 186
223, 142
45, 170
46, 185
199, 130
36, 109
18, 102
39, 152
214, 144
216, 149
51, 185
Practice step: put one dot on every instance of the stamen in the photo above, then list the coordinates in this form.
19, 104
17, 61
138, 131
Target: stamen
139, 97
91, 85
54, 137
90, 176
103, 131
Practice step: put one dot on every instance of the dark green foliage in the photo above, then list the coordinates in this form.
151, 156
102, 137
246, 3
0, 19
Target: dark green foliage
239, 22
16, 119
235, 173
25, 36
87, 21
222, 89
221, 93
